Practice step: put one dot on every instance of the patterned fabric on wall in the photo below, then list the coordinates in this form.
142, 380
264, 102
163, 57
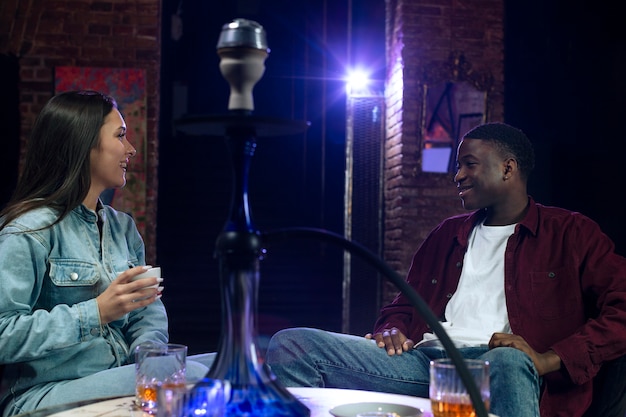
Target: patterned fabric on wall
128, 87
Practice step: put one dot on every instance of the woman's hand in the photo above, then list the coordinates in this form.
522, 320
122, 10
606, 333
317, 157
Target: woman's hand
124, 295
393, 340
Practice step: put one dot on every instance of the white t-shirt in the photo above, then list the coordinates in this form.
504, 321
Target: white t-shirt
478, 307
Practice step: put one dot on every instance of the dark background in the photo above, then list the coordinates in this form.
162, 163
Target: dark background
10, 122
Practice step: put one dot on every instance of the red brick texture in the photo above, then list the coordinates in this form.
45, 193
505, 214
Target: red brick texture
44, 34
421, 37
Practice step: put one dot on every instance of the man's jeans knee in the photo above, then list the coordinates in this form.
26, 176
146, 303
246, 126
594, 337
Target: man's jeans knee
514, 383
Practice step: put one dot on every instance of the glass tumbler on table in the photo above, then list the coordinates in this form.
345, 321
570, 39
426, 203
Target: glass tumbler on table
448, 395
157, 365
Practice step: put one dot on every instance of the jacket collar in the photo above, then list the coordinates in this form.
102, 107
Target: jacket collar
530, 222
86, 214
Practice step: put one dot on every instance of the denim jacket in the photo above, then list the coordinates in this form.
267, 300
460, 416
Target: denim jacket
50, 326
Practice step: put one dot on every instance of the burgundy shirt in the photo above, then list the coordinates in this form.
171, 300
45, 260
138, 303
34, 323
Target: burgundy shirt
565, 290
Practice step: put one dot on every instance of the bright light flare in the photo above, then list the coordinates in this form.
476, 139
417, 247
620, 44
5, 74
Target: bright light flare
357, 81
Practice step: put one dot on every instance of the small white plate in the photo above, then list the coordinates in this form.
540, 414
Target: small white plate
351, 410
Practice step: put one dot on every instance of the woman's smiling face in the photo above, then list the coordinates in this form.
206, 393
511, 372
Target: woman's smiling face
109, 159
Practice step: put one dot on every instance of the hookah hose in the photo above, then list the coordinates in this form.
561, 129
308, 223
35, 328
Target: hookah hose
419, 304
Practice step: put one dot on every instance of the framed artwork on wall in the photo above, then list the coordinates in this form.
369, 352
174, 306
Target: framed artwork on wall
128, 87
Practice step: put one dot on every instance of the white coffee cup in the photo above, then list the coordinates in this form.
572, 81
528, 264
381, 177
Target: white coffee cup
154, 272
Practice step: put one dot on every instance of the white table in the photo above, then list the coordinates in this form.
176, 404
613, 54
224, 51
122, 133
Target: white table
318, 400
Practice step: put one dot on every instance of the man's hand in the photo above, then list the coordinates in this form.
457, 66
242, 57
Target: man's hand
124, 295
544, 362
393, 340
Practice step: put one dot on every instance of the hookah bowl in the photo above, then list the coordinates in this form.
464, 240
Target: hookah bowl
242, 48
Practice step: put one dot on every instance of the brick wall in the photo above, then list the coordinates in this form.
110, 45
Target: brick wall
421, 37
112, 33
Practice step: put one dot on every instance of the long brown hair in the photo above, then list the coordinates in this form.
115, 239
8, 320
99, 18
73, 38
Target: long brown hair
57, 169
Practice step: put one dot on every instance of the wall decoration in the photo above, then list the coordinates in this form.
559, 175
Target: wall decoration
128, 87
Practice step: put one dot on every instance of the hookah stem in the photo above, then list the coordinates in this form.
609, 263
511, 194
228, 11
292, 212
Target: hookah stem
242, 145
405, 288
239, 248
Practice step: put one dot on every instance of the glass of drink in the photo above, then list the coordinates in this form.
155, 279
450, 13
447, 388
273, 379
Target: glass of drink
448, 395
157, 365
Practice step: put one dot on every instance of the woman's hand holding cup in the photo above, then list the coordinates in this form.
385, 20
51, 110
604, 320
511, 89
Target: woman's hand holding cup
132, 289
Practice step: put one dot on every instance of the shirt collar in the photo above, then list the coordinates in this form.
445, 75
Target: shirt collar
89, 215
531, 219
529, 222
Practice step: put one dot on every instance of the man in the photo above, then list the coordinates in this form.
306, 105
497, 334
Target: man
538, 291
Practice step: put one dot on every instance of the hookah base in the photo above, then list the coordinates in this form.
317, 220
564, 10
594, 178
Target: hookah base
264, 401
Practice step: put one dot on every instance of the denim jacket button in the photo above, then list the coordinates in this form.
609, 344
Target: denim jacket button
73, 276
95, 332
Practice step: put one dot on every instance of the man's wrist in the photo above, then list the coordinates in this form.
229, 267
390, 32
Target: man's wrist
550, 362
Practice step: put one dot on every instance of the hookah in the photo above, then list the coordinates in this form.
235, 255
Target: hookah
254, 391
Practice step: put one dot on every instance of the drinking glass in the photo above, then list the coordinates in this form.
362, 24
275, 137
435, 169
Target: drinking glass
448, 395
158, 365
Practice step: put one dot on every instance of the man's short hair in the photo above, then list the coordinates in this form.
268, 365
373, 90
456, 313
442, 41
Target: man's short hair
510, 140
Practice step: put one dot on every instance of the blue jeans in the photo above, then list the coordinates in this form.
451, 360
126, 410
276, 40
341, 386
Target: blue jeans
114, 382
303, 357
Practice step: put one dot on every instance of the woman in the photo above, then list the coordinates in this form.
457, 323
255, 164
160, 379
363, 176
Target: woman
70, 314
